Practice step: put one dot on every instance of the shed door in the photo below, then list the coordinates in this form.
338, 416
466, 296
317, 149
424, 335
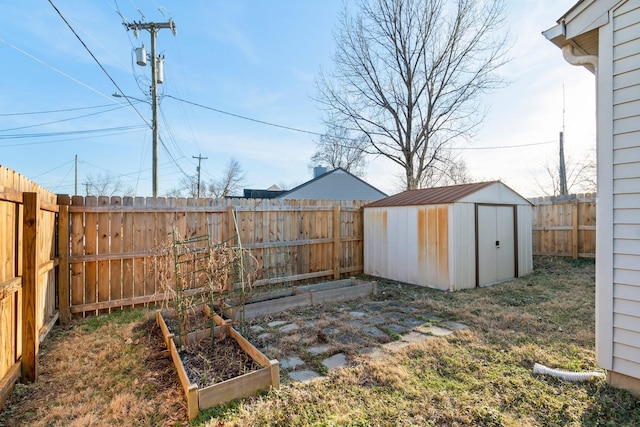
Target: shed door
496, 244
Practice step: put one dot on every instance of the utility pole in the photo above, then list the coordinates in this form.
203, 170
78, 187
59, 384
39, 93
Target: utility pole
153, 28
200, 159
76, 192
563, 170
561, 165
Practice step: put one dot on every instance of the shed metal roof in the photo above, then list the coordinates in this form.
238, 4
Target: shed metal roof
431, 196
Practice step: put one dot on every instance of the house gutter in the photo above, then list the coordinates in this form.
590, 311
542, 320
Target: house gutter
590, 62
558, 36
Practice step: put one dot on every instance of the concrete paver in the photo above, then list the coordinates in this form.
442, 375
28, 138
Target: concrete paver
336, 361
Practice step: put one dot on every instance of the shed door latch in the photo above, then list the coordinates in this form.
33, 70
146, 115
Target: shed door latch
498, 243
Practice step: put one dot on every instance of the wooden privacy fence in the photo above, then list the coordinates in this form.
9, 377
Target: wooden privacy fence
113, 243
565, 226
27, 276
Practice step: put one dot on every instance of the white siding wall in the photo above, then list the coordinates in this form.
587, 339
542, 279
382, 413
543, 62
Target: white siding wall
626, 189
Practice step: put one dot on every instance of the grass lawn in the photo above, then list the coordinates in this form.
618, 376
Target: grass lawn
111, 370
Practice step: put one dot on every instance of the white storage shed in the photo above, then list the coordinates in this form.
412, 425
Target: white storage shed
449, 238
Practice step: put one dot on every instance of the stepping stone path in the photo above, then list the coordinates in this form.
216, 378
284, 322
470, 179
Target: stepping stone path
304, 375
291, 362
336, 361
289, 328
361, 330
318, 349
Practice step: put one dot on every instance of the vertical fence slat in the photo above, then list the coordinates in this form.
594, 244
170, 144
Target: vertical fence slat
104, 238
29, 287
336, 242
77, 250
139, 220
91, 248
115, 247
127, 247
63, 259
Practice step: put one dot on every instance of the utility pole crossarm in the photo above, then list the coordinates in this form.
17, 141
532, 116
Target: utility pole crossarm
135, 26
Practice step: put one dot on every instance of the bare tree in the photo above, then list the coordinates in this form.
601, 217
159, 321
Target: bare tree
106, 184
409, 75
452, 172
187, 187
228, 184
581, 175
338, 148
230, 181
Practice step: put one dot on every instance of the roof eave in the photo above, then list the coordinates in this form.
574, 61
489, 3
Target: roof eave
557, 35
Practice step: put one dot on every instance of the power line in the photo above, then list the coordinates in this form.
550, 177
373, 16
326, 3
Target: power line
71, 132
64, 110
98, 62
28, 55
245, 117
63, 120
499, 147
349, 139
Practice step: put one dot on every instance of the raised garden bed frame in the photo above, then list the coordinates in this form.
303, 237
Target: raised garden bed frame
301, 296
245, 385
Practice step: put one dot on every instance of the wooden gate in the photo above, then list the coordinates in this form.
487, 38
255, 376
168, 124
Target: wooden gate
28, 249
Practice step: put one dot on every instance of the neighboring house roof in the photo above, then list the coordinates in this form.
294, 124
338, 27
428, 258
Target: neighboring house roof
436, 195
337, 184
250, 193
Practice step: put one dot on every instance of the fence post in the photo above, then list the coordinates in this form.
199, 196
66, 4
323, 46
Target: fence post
336, 242
31, 208
63, 258
574, 217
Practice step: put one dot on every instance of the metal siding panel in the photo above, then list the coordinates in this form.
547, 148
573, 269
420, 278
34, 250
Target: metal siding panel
626, 367
628, 155
628, 247
626, 277
422, 236
626, 94
627, 337
627, 352
462, 263
627, 262
628, 186
626, 201
631, 292
627, 231
525, 240
411, 255
629, 308
443, 246
432, 247
624, 321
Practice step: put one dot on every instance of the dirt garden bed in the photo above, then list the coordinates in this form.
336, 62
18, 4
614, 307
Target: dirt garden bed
217, 367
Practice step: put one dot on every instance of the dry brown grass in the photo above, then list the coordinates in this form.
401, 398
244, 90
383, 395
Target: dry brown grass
109, 370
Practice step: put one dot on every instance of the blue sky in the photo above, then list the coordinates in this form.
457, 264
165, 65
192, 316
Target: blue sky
256, 59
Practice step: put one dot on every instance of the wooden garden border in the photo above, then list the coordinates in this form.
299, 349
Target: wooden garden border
242, 386
302, 296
